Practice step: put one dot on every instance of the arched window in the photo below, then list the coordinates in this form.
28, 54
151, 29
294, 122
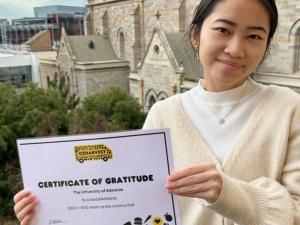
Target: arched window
294, 39
151, 101
122, 45
162, 95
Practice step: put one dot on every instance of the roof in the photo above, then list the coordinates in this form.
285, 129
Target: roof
184, 54
102, 51
37, 36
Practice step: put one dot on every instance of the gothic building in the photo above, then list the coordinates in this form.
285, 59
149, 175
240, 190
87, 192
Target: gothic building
131, 25
88, 64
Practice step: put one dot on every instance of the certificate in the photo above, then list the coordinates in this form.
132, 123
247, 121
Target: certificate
100, 179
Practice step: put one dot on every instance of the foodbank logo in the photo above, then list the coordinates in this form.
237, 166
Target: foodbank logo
92, 152
152, 220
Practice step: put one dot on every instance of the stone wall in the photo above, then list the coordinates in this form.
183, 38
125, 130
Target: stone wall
284, 57
112, 20
135, 86
158, 84
137, 20
66, 64
93, 81
47, 72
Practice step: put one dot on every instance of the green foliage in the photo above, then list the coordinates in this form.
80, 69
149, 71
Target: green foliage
32, 112
59, 82
29, 112
112, 109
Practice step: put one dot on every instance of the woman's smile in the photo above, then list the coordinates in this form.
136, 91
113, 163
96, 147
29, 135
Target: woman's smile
230, 65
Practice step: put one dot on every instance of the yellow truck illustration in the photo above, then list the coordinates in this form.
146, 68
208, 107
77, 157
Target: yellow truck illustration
93, 152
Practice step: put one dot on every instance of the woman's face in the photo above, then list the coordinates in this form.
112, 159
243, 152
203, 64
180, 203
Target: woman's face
232, 43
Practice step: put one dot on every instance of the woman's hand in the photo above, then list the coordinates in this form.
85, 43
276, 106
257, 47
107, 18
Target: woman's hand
25, 203
200, 181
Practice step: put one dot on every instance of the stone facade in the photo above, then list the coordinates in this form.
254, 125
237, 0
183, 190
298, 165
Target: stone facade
93, 81
136, 19
66, 63
282, 65
87, 63
130, 25
165, 70
47, 69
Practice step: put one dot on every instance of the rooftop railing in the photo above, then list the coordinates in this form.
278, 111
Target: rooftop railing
14, 49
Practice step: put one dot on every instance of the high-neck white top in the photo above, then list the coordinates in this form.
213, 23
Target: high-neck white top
205, 109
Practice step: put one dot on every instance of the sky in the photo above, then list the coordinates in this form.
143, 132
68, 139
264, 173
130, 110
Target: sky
13, 9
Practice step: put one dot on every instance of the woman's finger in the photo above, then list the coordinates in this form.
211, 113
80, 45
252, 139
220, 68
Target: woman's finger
23, 202
208, 191
27, 219
195, 169
195, 189
25, 207
20, 195
191, 180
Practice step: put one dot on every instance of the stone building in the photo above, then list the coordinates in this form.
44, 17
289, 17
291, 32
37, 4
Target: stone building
88, 64
169, 67
282, 66
130, 25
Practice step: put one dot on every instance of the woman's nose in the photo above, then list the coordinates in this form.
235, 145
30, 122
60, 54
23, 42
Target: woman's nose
235, 48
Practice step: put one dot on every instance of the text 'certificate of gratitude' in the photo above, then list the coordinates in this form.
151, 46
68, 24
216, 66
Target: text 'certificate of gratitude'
100, 179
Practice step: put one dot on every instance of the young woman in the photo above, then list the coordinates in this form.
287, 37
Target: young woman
235, 142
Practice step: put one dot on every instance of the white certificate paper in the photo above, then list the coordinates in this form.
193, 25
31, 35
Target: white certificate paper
100, 179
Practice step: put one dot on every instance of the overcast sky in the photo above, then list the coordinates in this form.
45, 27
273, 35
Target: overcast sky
13, 9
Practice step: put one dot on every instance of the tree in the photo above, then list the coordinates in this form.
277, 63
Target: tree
110, 110
27, 112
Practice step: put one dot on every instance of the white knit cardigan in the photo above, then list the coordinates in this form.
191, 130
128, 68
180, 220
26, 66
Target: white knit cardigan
261, 172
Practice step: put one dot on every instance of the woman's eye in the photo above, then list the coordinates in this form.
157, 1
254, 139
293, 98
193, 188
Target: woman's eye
222, 30
255, 37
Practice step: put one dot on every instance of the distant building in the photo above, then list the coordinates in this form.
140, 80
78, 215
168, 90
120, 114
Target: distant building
17, 67
87, 63
39, 42
3, 30
46, 18
44, 11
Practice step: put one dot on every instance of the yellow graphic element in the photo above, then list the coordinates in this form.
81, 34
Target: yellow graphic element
157, 220
93, 152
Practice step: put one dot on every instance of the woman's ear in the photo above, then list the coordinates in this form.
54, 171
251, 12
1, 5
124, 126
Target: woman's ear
194, 40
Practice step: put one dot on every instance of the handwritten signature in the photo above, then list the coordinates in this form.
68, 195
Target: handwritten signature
56, 221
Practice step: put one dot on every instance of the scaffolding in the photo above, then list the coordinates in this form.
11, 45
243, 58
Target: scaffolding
14, 49
3, 26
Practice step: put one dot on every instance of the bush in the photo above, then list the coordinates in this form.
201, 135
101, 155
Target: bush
110, 110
